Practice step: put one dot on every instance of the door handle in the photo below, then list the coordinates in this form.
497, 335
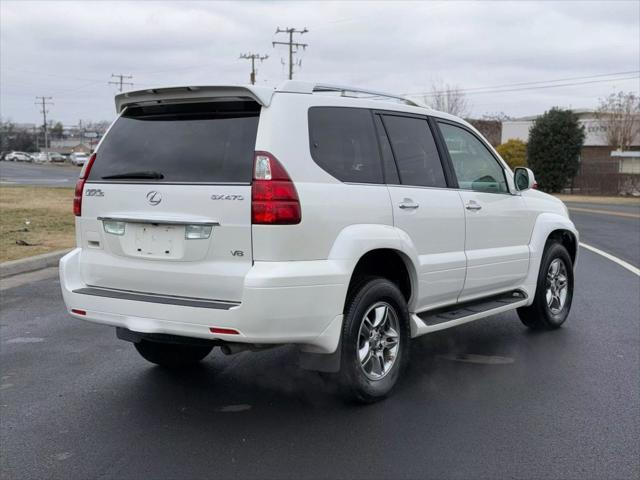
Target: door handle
408, 205
472, 205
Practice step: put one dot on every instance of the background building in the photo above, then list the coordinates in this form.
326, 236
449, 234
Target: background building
603, 170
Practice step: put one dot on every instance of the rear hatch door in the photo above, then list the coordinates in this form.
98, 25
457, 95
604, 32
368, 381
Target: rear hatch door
167, 204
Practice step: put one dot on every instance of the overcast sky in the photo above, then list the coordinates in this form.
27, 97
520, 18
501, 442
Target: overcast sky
68, 50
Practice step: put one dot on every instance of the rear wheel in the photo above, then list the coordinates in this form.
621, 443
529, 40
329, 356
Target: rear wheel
554, 291
171, 355
375, 340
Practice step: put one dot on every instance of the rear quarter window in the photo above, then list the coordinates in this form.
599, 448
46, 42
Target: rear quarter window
182, 143
343, 143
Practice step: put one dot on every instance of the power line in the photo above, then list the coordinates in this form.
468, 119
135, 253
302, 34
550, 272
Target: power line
293, 46
498, 88
253, 57
608, 80
557, 80
43, 102
121, 81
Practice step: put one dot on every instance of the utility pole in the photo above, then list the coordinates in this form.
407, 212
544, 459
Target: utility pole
121, 81
293, 46
81, 130
43, 102
253, 57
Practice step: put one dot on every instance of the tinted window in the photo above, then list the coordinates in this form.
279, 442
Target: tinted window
475, 167
208, 143
343, 142
388, 163
415, 151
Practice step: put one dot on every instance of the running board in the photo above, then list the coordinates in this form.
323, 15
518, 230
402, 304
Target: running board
460, 313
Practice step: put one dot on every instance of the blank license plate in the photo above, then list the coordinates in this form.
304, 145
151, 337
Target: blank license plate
158, 240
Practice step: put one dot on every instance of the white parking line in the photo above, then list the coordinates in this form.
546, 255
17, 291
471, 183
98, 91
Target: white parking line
608, 256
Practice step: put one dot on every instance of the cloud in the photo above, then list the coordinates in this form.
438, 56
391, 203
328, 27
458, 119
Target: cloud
70, 49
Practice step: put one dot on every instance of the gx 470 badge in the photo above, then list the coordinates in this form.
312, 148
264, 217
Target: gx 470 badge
226, 197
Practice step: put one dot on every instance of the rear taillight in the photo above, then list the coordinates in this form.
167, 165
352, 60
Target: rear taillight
84, 173
274, 199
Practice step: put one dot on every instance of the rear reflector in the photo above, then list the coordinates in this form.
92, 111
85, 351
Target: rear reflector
274, 199
224, 331
78, 312
84, 173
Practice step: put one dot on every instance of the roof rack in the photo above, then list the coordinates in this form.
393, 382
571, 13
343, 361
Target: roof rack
305, 87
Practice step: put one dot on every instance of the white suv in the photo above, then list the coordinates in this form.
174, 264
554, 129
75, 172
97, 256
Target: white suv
343, 221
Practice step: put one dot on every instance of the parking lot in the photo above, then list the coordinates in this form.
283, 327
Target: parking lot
50, 175
485, 400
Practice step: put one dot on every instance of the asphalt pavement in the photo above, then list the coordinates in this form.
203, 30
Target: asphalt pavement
614, 229
488, 399
485, 400
20, 173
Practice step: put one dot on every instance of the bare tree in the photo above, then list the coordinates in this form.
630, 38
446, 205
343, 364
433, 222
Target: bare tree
497, 116
447, 98
619, 118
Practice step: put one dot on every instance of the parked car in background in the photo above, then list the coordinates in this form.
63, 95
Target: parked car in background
48, 157
56, 157
79, 158
18, 157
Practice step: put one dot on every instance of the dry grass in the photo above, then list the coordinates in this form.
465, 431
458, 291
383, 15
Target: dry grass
49, 212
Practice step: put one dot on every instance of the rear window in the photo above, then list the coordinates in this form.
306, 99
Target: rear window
343, 142
181, 143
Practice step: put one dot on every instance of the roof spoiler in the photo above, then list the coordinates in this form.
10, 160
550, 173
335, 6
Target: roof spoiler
152, 96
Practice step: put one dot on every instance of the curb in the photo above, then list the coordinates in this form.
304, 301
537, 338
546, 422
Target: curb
30, 264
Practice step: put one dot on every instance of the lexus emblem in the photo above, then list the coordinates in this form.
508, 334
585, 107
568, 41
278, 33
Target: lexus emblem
154, 198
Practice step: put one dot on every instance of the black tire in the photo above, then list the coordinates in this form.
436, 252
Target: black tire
171, 355
540, 315
369, 297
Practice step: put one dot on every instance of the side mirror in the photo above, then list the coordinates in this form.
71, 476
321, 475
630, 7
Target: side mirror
524, 179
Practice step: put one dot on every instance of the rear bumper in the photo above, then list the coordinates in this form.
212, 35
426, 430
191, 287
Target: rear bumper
282, 303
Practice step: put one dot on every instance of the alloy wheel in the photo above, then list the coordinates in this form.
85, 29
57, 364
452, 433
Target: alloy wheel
557, 286
378, 340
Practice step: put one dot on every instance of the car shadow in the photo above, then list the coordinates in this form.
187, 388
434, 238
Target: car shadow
271, 380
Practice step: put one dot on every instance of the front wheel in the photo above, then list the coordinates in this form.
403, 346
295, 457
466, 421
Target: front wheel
375, 340
171, 355
554, 291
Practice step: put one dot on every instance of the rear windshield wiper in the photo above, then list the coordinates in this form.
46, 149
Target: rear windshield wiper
134, 175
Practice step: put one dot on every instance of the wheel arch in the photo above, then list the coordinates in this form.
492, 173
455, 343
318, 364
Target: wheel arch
549, 226
389, 263
381, 250
568, 239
